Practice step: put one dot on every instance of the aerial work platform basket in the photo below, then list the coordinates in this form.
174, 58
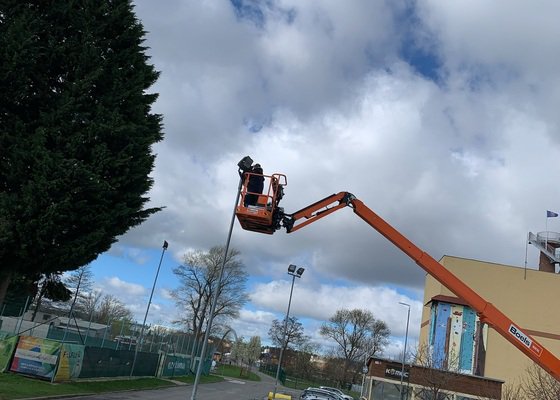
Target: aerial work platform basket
259, 212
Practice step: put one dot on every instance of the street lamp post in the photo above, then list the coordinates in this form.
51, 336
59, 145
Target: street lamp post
295, 274
217, 288
139, 342
404, 351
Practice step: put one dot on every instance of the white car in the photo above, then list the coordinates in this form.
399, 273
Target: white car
312, 393
337, 391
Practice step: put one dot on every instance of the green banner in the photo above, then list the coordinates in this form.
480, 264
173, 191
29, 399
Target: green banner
36, 356
70, 362
174, 365
7, 347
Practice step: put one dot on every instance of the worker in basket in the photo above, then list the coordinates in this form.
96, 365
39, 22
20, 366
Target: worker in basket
255, 185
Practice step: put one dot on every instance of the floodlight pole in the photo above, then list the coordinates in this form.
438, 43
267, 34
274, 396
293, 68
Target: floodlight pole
139, 342
295, 274
216, 294
404, 351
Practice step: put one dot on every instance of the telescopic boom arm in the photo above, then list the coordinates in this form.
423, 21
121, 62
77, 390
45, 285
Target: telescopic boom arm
487, 312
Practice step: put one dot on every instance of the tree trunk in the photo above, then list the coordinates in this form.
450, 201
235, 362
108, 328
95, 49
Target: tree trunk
5, 279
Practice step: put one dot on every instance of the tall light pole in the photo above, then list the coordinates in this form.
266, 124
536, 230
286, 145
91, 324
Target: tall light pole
404, 351
295, 274
139, 343
218, 285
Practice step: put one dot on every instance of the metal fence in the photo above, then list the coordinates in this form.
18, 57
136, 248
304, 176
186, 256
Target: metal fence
109, 349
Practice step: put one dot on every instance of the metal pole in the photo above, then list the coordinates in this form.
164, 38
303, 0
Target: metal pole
404, 351
89, 326
139, 343
285, 331
283, 339
70, 313
216, 294
105, 333
22, 312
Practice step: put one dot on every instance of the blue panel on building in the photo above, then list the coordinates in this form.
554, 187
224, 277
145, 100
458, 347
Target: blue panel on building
467, 341
440, 334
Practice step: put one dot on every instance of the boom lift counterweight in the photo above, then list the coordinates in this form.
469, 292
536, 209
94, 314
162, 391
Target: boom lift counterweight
487, 312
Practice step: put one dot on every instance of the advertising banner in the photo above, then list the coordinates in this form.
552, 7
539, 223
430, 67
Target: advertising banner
70, 363
36, 356
7, 347
174, 365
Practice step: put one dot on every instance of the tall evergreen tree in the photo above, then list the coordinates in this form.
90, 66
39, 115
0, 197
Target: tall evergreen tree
76, 131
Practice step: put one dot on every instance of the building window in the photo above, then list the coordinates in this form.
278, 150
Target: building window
386, 391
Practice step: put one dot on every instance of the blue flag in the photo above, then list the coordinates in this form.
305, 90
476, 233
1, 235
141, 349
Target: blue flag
550, 214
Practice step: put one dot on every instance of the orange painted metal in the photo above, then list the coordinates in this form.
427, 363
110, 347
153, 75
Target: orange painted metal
264, 216
487, 312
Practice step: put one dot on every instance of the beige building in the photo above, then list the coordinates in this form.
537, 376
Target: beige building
528, 297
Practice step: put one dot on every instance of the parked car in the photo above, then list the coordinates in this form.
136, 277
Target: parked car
337, 391
319, 394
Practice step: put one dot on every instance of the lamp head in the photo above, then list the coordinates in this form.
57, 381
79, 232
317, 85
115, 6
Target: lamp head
245, 163
291, 268
300, 270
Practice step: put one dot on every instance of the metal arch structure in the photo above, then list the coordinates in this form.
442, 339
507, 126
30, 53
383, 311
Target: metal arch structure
229, 330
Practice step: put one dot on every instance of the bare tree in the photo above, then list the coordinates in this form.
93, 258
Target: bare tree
286, 336
512, 392
537, 384
80, 283
356, 332
111, 309
198, 277
90, 302
294, 336
303, 364
435, 375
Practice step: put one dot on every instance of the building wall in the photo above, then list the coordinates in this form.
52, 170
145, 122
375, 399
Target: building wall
384, 378
528, 297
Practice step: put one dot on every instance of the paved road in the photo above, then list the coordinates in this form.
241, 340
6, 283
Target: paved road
233, 389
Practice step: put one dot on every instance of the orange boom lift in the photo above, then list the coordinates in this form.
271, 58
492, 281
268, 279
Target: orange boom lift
270, 217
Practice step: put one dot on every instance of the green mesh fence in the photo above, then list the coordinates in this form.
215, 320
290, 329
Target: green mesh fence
103, 362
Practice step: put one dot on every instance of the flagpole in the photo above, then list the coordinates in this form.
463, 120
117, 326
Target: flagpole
549, 214
546, 233
526, 249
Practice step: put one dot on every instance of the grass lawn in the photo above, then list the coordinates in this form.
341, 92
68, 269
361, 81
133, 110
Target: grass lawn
14, 386
234, 371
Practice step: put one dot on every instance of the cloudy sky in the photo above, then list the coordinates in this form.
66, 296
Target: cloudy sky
440, 116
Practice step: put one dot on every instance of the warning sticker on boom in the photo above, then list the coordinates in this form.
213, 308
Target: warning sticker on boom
525, 340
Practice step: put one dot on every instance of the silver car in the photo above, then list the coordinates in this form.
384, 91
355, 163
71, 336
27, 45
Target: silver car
337, 391
319, 394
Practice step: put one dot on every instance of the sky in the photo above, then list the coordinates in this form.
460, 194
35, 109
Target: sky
440, 116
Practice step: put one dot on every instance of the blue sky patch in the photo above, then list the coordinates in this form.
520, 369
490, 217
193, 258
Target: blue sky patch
255, 11
418, 49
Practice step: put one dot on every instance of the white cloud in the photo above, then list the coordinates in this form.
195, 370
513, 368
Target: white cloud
320, 302
318, 90
124, 288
